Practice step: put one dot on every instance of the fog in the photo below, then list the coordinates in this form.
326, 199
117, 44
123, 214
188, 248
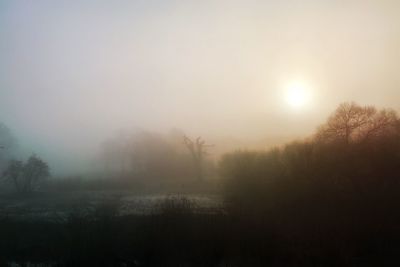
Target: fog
199, 133
72, 74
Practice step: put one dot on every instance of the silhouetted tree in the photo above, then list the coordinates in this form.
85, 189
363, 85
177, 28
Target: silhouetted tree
354, 123
197, 150
26, 176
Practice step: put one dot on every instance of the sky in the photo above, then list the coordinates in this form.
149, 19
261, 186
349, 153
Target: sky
72, 73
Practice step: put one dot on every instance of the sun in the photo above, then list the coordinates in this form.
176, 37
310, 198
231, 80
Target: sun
297, 94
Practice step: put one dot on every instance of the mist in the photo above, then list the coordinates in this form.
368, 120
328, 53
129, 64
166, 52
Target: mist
199, 133
74, 74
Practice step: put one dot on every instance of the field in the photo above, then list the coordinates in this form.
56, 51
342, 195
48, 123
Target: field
51, 206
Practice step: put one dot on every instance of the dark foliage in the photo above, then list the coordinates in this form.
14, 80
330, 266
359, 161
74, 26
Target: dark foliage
27, 176
334, 198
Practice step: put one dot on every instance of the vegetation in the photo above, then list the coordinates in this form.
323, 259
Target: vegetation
334, 197
330, 200
155, 157
27, 176
198, 150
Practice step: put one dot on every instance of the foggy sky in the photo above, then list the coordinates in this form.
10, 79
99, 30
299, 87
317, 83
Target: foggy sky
74, 72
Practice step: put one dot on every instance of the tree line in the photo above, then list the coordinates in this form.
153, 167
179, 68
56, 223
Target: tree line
335, 195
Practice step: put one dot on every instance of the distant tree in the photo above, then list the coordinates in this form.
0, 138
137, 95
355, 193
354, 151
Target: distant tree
116, 153
354, 123
142, 154
154, 155
26, 176
197, 149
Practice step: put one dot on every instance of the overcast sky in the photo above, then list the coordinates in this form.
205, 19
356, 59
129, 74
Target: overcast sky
74, 72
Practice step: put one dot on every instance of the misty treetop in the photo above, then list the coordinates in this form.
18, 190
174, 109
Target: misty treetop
354, 123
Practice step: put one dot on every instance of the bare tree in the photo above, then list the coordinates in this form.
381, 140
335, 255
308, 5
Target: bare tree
197, 149
353, 123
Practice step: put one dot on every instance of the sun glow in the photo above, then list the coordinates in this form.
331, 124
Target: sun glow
297, 95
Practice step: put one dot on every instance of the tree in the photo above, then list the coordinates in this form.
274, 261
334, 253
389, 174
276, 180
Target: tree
116, 153
352, 123
198, 150
26, 176
141, 154
14, 172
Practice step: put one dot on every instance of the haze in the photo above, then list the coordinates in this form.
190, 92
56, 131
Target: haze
74, 73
